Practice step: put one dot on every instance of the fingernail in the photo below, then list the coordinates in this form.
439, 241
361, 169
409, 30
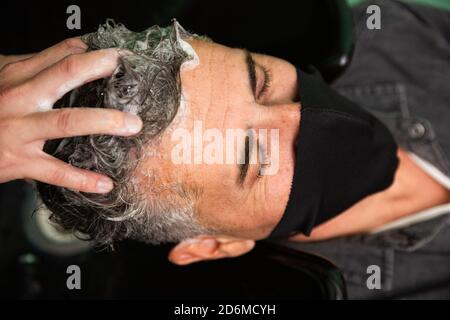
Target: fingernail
133, 124
104, 185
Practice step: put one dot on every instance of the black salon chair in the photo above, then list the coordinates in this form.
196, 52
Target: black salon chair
307, 32
35, 257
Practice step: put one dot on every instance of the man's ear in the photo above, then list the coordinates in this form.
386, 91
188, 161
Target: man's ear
209, 248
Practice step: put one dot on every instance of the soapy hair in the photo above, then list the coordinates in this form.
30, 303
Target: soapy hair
146, 83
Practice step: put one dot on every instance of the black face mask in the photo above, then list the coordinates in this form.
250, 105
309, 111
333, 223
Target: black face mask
343, 155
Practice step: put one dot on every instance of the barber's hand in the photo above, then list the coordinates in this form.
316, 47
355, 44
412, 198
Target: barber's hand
28, 89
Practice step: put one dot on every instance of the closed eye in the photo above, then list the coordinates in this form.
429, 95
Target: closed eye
259, 76
267, 81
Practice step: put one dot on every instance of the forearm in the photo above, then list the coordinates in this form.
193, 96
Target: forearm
413, 191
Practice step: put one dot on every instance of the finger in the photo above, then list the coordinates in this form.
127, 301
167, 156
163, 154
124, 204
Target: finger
4, 60
51, 84
52, 55
59, 173
20, 70
68, 122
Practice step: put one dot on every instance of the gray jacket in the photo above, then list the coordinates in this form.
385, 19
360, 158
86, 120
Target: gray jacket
401, 74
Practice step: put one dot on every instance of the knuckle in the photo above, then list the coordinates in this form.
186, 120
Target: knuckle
9, 94
83, 183
71, 44
7, 159
64, 120
8, 71
10, 68
70, 65
58, 176
5, 127
109, 118
65, 176
114, 118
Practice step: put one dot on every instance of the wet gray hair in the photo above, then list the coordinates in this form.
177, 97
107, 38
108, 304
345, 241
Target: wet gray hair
145, 83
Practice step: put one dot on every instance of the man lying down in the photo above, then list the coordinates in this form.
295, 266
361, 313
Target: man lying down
235, 147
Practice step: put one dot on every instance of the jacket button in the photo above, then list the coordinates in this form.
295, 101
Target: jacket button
416, 130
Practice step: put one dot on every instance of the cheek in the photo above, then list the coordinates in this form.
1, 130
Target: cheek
240, 213
279, 185
248, 212
278, 189
217, 204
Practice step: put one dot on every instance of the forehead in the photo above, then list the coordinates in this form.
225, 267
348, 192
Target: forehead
213, 92
219, 81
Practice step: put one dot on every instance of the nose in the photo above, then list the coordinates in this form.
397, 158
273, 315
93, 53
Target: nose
285, 118
285, 115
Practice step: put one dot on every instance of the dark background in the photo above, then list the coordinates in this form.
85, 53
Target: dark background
302, 32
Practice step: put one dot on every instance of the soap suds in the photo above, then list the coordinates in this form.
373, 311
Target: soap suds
44, 105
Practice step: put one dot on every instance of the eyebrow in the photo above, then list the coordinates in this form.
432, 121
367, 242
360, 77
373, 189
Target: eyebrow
246, 154
251, 68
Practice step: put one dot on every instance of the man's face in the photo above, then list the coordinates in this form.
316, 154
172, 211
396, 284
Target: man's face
232, 90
